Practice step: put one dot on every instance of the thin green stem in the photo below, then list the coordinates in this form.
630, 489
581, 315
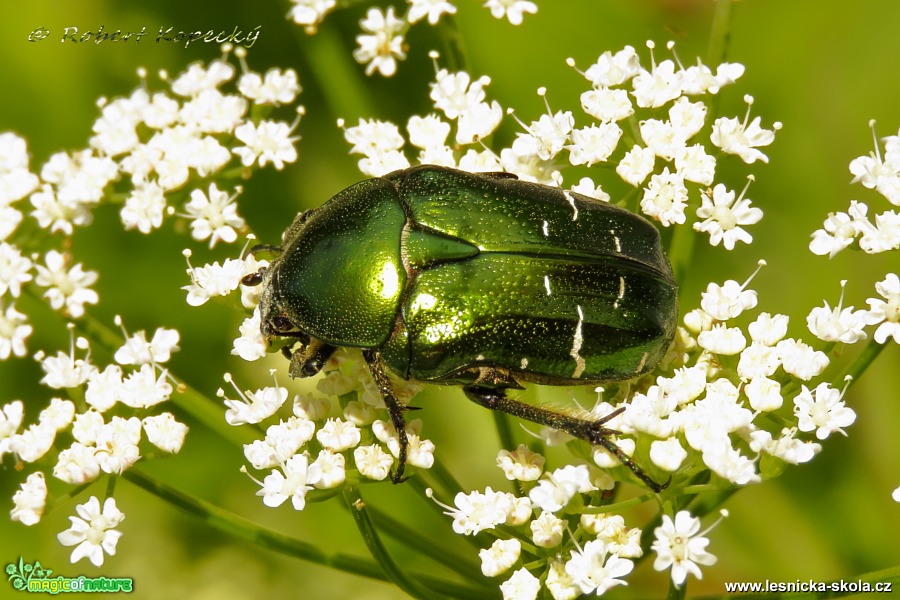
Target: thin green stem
370, 536
859, 364
720, 32
504, 430
454, 53
435, 551
339, 78
242, 528
676, 592
442, 478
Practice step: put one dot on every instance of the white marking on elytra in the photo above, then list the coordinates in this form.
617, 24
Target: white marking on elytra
547, 284
546, 229
577, 340
621, 292
641, 364
571, 200
616, 240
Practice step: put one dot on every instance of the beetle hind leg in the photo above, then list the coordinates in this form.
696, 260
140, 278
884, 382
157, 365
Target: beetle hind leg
395, 409
494, 397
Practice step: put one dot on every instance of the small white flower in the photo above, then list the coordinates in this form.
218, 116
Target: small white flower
328, 470
661, 84
741, 138
521, 464
310, 13
144, 208
768, 329
15, 270
138, 351
9, 221
522, 585
165, 432
723, 215
145, 388
93, 531
16, 181
695, 164
667, 454
29, 500
433, 9
213, 280
254, 407
593, 572
293, 481
559, 487
338, 435
838, 324
66, 288
547, 136
250, 345
64, 371
560, 583
11, 417
593, 144
502, 555
607, 105
547, 530
58, 414
679, 544
372, 461
801, 360
87, 427
722, 340
823, 411
886, 313
104, 388
214, 216
839, 230
382, 43
77, 464
267, 142
117, 444
478, 511
513, 10
197, 79
636, 165
896, 495
665, 198
614, 69
277, 88
14, 330
764, 394
33, 443
727, 301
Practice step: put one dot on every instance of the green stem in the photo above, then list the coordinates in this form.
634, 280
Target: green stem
453, 54
859, 364
338, 78
442, 478
435, 551
504, 430
242, 528
366, 527
720, 33
676, 592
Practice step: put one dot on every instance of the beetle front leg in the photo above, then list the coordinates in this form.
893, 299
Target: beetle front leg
395, 409
309, 359
592, 432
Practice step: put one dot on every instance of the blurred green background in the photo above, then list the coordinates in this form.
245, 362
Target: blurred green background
823, 69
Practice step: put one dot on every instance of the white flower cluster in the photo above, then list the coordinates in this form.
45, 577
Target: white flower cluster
158, 141
312, 447
854, 228
383, 42
668, 150
100, 443
599, 546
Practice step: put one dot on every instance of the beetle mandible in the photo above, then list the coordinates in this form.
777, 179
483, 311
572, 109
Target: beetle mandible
477, 280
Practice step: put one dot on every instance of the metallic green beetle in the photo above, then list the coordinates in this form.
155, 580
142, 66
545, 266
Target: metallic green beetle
477, 280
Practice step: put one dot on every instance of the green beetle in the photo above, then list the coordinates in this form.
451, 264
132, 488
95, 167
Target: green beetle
476, 280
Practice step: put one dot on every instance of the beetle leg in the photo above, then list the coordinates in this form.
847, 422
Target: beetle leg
395, 409
592, 432
310, 358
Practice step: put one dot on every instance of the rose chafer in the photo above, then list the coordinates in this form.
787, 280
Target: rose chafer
477, 280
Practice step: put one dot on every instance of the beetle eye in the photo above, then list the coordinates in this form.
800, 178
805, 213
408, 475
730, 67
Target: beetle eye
282, 324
